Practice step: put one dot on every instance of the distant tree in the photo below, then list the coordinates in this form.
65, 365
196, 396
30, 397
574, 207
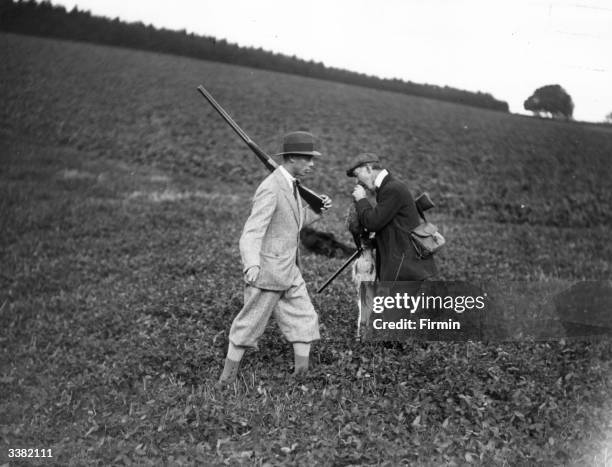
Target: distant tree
609, 118
551, 99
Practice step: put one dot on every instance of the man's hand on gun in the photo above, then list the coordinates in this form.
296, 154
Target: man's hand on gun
327, 203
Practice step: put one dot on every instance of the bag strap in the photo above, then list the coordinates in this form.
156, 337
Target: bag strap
421, 213
428, 204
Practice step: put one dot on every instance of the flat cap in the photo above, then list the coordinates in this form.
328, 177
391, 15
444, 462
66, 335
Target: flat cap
359, 160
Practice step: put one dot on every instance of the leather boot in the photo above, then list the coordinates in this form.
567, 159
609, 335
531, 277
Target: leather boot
230, 371
300, 365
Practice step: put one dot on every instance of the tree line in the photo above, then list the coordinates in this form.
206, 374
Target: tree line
45, 19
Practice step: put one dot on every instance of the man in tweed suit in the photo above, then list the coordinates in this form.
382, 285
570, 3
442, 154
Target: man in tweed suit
270, 257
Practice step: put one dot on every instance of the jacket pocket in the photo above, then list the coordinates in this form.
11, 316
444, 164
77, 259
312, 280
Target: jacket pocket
277, 271
275, 247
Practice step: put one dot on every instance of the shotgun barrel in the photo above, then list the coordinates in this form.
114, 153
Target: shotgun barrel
352, 258
314, 200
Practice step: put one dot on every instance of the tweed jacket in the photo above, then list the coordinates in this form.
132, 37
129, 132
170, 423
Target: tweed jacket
393, 217
271, 234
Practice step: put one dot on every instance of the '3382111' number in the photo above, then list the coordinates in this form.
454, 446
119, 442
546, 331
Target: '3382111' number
29, 453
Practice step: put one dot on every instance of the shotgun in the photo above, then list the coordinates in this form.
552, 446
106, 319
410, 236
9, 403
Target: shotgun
314, 200
352, 258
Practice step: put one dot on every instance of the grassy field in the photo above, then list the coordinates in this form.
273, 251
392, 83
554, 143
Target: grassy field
122, 198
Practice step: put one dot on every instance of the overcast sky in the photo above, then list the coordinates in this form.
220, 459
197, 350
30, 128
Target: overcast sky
506, 48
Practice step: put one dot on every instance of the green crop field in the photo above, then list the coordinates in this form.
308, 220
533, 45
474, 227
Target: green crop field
122, 198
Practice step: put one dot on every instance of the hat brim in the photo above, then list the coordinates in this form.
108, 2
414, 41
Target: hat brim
300, 153
351, 172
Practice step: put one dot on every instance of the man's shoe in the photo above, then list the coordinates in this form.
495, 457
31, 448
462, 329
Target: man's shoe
298, 377
230, 371
299, 372
300, 364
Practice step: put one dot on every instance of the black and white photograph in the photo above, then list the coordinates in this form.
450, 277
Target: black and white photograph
325, 233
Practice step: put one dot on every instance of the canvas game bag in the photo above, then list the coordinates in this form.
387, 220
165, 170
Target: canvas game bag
425, 238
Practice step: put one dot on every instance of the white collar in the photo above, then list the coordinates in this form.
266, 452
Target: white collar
290, 178
380, 177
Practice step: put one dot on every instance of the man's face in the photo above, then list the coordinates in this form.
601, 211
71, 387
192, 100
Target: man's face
302, 165
364, 176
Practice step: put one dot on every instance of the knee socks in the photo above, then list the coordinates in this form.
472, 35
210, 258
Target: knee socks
301, 353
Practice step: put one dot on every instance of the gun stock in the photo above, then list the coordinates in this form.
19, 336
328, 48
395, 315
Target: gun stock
314, 200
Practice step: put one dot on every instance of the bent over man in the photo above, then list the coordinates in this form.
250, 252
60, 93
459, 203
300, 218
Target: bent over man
393, 217
269, 248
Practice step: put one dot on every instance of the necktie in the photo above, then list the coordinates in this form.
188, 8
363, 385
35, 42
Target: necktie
295, 195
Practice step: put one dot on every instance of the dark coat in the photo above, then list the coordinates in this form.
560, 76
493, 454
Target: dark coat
394, 216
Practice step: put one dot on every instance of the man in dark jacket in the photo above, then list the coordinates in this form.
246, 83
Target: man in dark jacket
393, 217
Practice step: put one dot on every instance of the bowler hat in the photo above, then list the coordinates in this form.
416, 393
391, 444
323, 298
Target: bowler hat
300, 143
361, 159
